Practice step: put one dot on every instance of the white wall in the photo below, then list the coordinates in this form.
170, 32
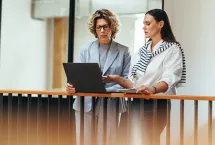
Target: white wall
23, 60
193, 24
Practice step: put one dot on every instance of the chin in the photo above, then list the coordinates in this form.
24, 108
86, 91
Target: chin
147, 36
106, 41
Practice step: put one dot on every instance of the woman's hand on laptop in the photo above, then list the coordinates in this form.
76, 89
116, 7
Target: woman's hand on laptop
70, 88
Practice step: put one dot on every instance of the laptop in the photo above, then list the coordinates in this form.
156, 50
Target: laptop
85, 77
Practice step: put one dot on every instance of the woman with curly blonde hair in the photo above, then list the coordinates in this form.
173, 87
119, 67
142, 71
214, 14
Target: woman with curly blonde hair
109, 17
113, 59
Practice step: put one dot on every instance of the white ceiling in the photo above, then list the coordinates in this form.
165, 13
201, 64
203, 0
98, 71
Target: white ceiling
121, 6
60, 8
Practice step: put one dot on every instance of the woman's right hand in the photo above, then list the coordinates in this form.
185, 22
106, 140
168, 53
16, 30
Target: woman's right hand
110, 78
70, 89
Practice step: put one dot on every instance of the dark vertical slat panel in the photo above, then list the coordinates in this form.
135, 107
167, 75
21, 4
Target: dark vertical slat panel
49, 120
19, 105
54, 120
168, 124
65, 135
69, 100
162, 4
5, 120
94, 135
71, 115
209, 122
1, 116
28, 119
182, 122
129, 114
9, 118
43, 128
195, 122
39, 109
22, 118
156, 136
117, 114
59, 118
81, 139
71, 30
105, 120
142, 110
142, 117
13, 135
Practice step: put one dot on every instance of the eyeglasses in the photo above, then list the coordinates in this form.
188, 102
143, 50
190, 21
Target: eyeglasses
105, 27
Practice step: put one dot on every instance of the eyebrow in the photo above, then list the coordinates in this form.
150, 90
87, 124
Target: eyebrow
102, 25
146, 21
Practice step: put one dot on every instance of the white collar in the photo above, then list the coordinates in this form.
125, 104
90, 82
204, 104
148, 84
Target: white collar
155, 47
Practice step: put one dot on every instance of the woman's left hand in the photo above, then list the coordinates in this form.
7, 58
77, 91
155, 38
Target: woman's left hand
145, 90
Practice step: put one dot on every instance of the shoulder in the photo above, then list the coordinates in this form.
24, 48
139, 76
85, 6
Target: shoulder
86, 46
174, 52
174, 47
121, 47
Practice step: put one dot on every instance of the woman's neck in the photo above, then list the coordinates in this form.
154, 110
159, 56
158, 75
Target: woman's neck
155, 40
105, 42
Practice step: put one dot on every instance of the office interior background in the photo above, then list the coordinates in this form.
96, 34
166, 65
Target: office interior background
34, 43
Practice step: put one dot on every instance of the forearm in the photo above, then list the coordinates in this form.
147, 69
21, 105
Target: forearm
125, 83
160, 87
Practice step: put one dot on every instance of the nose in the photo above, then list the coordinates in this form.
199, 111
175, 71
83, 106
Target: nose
102, 29
144, 28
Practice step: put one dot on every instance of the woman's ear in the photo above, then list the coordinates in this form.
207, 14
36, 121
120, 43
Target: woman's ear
161, 24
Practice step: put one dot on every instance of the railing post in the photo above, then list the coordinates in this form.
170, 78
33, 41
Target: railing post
117, 116
94, 131
48, 118
39, 106
209, 122
168, 123
105, 120
81, 139
9, 123
19, 116
1, 115
129, 114
182, 122
142, 121
28, 116
195, 122
59, 118
71, 117
156, 136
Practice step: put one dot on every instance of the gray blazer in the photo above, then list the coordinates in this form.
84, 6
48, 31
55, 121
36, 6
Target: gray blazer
118, 62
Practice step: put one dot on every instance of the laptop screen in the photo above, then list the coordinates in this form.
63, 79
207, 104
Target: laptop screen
85, 77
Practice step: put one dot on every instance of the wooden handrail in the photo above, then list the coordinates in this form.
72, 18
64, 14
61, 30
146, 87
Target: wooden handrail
113, 95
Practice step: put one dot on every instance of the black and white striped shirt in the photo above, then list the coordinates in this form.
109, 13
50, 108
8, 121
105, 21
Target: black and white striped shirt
165, 63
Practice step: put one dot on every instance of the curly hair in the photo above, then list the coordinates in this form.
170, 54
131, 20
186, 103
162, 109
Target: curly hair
109, 17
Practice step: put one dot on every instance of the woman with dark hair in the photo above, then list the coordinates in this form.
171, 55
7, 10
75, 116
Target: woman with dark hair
113, 58
159, 68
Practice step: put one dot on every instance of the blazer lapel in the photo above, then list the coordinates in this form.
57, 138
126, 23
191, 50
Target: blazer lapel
94, 53
112, 54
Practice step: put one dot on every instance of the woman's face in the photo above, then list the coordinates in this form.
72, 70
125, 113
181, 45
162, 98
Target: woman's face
151, 27
103, 31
